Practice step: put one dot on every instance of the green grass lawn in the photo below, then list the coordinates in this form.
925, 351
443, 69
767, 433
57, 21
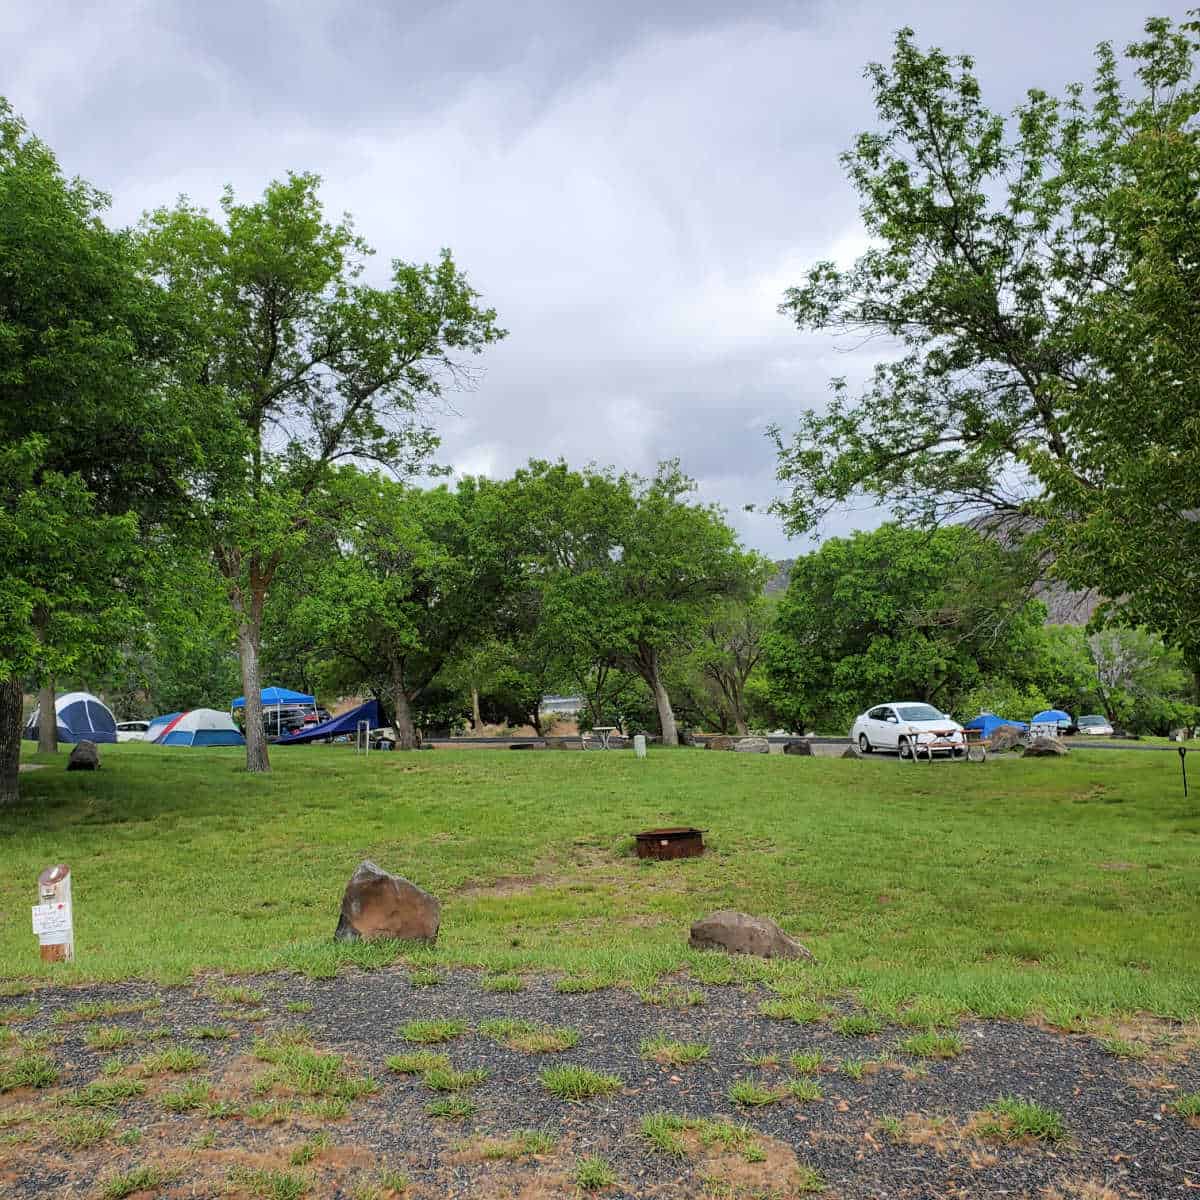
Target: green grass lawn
1064, 886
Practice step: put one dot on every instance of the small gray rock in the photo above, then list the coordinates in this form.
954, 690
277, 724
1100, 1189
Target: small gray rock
720, 742
740, 933
378, 905
1044, 747
752, 745
85, 757
802, 746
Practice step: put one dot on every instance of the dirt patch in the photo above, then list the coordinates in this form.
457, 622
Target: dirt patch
505, 885
32, 767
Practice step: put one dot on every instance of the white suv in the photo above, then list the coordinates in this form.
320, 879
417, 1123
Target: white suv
906, 724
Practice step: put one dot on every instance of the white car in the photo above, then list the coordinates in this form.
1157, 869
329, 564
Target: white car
1096, 725
907, 723
132, 731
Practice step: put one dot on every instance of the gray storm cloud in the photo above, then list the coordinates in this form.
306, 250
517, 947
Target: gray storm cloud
631, 185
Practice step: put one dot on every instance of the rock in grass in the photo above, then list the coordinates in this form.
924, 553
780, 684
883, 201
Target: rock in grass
1044, 747
85, 757
740, 933
800, 746
720, 742
850, 752
752, 745
1005, 737
378, 905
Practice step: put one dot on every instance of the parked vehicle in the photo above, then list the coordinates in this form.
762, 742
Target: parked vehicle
1095, 725
903, 725
132, 731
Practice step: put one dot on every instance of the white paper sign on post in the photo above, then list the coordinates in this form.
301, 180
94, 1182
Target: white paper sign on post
52, 923
53, 919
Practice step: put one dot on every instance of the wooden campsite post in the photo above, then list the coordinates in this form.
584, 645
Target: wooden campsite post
53, 920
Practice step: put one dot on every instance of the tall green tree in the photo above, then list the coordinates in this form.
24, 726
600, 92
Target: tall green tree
406, 578
729, 651
630, 566
896, 614
1036, 277
314, 365
92, 440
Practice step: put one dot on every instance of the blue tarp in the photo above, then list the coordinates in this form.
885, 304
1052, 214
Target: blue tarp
346, 723
988, 723
277, 695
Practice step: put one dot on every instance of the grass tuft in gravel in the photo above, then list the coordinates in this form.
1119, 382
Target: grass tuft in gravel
800, 1009
570, 984
12, 1013
803, 1089
1188, 1105
309, 1072
212, 1033
1011, 1119
753, 1093
502, 983
138, 1179
662, 1130
417, 1062
762, 1058
593, 1174
193, 1095
308, 1150
387, 1184
432, 1031
266, 1184
84, 1130
29, 1069
175, 1060
806, 1180
298, 1006
95, 1010
528, 1037
671, 1053
230, 994
578, 1083
108, 1037
424, 977
454, 1108
521, 1143
104, 1093
19, 1114
806, 1062
1120, 1048
447, 1079
672, 997
858, 1025
932, 1045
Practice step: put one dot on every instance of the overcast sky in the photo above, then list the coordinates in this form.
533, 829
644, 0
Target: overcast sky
631, 184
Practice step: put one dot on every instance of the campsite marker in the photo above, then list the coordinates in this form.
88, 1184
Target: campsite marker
53, 919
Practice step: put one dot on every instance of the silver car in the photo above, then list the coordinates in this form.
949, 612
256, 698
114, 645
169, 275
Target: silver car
1096, 725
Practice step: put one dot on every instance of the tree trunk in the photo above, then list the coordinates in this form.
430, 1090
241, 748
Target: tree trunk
47, 719
257, 758
402, 723
476, 717
10, 741
739, 723
647, 665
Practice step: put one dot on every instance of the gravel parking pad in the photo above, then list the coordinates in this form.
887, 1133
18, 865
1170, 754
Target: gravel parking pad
905, 1127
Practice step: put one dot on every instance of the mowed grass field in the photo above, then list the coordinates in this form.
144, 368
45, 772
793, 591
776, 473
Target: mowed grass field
1011, 888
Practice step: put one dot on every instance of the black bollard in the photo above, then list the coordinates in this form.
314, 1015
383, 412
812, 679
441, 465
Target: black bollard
1183, 768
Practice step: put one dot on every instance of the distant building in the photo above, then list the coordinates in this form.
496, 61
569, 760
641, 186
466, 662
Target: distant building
567, 706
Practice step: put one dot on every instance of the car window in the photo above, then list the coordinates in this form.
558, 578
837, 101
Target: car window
878, 714
919, 712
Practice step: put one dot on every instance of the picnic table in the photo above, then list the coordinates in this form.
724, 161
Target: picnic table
604, 732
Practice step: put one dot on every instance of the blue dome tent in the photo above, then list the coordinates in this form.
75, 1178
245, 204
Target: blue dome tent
81, 717
196, 727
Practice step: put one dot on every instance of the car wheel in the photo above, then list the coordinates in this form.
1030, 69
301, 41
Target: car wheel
864, 745
904, 749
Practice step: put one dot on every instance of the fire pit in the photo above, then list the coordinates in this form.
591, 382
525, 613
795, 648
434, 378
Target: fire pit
670, 843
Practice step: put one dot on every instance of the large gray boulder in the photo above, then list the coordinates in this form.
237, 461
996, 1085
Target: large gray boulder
1005, 737
740, 933
1044, 747
720, 742
752, 745
85, 757
378, 905
801, 746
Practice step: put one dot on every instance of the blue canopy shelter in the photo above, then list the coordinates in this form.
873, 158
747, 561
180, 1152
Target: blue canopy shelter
988, 723
276, 696
1053, 716
337, 726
